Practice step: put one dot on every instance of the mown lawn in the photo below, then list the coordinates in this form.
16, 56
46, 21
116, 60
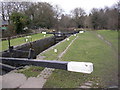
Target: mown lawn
87, 48
21, 40
51, 55
111, 36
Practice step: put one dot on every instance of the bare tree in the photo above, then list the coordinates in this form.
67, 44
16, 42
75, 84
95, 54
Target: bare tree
9, 7
65, 21
2, 11
87, 21
58, 13
78, 17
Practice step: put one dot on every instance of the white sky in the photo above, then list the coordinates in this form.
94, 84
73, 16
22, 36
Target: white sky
87, 5
68, 5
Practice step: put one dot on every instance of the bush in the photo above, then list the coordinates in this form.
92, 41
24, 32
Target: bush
19, 21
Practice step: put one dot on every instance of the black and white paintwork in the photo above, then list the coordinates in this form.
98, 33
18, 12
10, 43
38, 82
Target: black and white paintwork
83, 67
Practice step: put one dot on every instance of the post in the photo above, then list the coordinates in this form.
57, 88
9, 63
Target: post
9, 42
9, 46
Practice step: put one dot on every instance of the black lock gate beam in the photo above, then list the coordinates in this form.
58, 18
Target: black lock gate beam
84, 67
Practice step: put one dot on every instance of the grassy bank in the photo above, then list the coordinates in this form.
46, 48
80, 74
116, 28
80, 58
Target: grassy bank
111, 36
21, 40
87, 48
51, 55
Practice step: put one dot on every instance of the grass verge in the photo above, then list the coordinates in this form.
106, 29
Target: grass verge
21, 40
51, 55
111, 36
32, 71
87, 48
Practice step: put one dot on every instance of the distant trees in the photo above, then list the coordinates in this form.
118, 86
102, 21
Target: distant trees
65, 21
78, 17
57, 15
105, 18
8, 7
112, 18
95, 18
45, 15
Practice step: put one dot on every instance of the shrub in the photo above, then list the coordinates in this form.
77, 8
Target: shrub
19, 21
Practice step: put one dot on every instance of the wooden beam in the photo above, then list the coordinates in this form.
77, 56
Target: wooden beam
83, 67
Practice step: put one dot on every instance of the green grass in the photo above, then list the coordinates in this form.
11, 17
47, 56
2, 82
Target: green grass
51, 55
111, 36
21, 40
87, 48
33, 71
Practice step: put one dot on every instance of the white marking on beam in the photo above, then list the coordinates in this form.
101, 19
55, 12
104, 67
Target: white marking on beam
83, 67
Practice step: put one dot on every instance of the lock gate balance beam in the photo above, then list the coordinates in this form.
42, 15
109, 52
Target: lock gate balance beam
83, 67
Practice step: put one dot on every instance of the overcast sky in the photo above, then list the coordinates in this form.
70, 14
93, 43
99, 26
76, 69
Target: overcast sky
87, 5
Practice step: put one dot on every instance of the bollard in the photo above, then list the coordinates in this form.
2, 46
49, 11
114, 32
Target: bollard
55, 50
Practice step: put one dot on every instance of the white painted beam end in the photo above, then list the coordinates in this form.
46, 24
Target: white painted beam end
83, 67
